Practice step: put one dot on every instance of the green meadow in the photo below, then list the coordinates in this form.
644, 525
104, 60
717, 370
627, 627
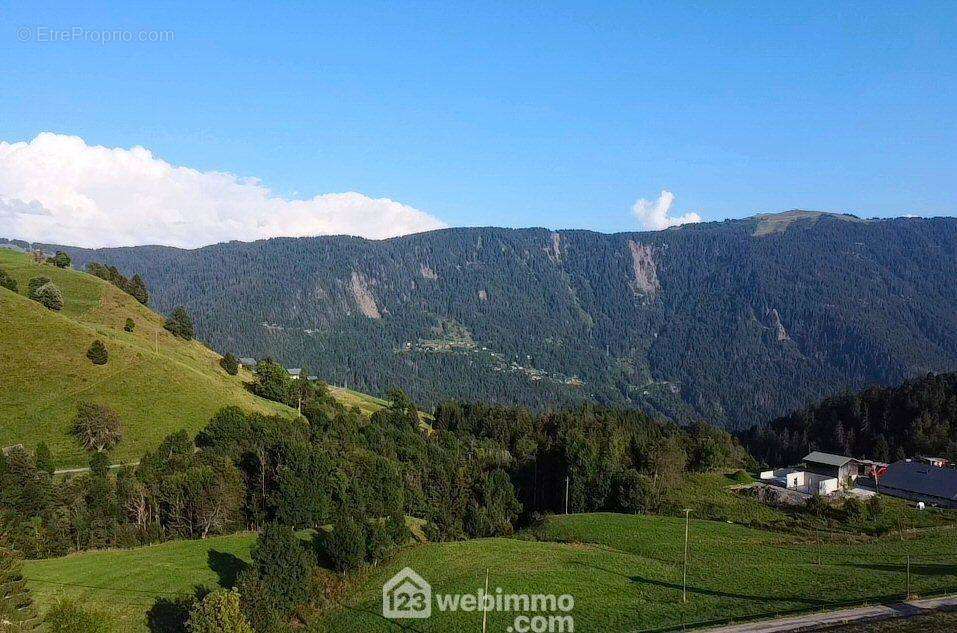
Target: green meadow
625, 573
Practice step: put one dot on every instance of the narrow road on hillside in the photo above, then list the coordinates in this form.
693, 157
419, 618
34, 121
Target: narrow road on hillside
86, 469
826, 619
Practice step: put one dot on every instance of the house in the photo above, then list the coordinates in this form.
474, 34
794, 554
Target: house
917, 481
939, 462
248, 363
839, 467
294, 372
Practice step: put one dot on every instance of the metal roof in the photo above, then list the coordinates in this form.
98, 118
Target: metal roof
818, 457
247, 361
922, 479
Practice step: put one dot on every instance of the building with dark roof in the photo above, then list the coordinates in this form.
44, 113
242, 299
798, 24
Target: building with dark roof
840, 467
917, 481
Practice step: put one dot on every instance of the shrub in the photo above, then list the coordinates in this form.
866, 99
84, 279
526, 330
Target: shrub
97, 353
130, 325
97, 427
49, 296
99, 465
8, 282
180, 324
69, 617
219, 612
230, 363
854, 509
35, 283
44, 458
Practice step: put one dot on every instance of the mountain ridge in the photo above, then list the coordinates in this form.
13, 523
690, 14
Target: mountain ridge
708, 321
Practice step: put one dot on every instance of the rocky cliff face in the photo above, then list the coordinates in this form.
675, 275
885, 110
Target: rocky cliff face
721, 321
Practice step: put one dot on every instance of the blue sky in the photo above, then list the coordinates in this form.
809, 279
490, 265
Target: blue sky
517, 114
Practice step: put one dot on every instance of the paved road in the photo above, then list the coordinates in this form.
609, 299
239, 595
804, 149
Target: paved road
817, 621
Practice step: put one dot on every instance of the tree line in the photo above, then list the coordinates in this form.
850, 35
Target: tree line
918, 417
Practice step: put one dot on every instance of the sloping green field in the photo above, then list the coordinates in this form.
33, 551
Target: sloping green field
131, 586
624, 571
157, 382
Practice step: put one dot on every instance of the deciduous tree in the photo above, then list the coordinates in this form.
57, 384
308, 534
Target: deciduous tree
97, 426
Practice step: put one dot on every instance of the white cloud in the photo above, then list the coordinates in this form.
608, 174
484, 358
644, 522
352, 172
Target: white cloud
653, 215
56, 188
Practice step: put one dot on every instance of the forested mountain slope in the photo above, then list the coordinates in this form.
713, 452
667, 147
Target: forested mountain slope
737, 321
918, 417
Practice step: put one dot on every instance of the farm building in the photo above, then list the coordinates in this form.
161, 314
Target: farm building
249, 363
839, 467
917, 481
822, 474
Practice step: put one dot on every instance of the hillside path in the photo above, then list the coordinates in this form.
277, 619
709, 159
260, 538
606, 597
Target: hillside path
826, 619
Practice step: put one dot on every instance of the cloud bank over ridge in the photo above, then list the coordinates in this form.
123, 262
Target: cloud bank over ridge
56, 188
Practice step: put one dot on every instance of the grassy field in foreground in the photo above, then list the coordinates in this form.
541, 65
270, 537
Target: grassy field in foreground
127, 585
624, 571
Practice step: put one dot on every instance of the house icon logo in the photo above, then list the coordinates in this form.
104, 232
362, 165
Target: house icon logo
407, 595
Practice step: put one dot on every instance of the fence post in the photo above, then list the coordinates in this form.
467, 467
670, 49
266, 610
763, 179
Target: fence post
907, 597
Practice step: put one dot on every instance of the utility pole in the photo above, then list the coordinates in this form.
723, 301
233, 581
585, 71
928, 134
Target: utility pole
566, 494
485, 604
684, 581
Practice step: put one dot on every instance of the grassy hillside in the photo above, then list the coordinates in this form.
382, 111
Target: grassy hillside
624, 571
366, 403
157, 382
127, 585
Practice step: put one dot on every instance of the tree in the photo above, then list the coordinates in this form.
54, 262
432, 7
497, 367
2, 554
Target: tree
283, 567
130, 325
219, 612
636, 492
97, 426
44, 458
345, 546
49, 296
138, 289
97, 353
60, 260
17, 611
230, 363
180, 324
272, 381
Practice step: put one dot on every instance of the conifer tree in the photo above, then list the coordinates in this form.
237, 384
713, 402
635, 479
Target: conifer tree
17, 611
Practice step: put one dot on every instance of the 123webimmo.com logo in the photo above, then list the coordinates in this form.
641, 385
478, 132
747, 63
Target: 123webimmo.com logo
409, 595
